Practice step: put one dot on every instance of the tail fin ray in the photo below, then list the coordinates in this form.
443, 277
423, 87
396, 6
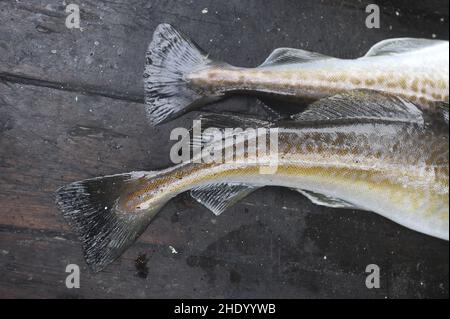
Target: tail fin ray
170, 57
90, 207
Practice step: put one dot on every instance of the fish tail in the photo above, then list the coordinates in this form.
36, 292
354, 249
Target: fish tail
105, 230
170, 58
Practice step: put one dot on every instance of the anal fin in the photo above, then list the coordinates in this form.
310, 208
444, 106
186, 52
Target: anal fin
325, 200
218, 197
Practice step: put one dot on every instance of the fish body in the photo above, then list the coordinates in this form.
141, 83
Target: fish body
179, 76
361, 150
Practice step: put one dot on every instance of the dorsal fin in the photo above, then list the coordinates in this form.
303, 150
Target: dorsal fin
400, 45
291, 56
218, 197
442, 108
362, 105
444, 112
220, 122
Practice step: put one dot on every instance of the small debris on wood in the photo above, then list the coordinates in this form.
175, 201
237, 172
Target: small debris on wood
141, 266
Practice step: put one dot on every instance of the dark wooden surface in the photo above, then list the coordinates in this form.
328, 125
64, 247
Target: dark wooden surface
71, 108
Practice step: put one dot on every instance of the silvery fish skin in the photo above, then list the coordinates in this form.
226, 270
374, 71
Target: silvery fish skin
361, 150
179, 76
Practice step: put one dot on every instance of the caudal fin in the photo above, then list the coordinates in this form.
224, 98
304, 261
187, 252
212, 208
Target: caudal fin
170, 57
90, 207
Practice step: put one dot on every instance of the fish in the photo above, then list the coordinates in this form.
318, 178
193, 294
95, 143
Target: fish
179, 76
361, 150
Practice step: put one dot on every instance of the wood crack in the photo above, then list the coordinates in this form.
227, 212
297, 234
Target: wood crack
71, 87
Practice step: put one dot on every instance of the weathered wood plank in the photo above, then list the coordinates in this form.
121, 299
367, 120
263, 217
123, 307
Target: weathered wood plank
72, 115
254, 260
273, 244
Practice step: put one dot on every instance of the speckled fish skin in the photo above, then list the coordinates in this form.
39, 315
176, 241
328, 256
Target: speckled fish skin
395, 168
420, 75
360, 150
179, 76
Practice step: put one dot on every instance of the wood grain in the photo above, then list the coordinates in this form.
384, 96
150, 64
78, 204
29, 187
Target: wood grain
78, 113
